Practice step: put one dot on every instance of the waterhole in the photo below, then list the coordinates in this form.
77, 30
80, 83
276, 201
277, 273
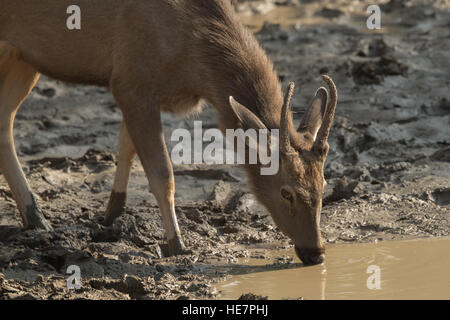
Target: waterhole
313, 14
414, 269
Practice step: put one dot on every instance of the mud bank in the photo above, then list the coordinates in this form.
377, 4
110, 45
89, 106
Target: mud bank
388, 170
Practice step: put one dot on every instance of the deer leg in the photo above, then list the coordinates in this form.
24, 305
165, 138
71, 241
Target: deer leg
143, 121
16, 81
117, 200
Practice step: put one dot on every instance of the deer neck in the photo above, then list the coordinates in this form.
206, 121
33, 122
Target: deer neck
231, 62
247, 75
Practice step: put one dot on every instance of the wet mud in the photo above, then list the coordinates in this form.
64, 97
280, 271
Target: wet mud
388, 170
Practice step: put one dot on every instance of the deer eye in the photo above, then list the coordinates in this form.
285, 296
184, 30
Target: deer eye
287, 194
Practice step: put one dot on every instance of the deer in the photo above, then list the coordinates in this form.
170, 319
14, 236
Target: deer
167, 56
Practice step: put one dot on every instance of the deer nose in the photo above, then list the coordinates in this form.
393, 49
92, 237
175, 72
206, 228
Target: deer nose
310, 256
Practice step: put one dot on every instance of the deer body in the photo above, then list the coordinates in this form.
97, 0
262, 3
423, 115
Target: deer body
164, 55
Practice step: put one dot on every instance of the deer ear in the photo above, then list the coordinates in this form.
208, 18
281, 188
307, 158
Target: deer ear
247, 119
312, 120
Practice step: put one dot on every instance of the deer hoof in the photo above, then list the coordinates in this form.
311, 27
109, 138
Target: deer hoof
35, 219
176, 247
116, 207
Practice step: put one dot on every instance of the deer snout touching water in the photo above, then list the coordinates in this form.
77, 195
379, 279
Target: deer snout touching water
167, 55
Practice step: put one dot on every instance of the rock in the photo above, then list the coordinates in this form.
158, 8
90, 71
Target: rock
343, 189
26, 296
329, 13
272, 31
231, 228
393, 5
203, 229
46, 92
359, 173
373, 71
441, 108
442, 196
384, 198
125, 227
252, 296
205, 172
39, 279
246, 203
364, 73
221, 192
134, 285
255, 6
193, 287
194, 214
378, 133
334, 169
441, 155
374, 48
129, 284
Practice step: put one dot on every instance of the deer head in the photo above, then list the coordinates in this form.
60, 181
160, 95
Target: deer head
293, 196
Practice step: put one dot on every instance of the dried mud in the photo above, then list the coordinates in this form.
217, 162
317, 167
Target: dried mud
388, 170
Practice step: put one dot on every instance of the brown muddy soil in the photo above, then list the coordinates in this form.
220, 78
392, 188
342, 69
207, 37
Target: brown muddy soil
388, 170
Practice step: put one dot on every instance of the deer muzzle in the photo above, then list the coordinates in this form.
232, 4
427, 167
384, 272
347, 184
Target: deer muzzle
310, 256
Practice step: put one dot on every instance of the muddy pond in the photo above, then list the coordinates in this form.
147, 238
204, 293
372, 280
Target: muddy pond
414, 269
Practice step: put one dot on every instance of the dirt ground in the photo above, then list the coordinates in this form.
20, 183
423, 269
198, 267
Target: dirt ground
388, 170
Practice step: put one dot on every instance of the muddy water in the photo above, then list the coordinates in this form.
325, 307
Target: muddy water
416, 269
285, 16
301, 17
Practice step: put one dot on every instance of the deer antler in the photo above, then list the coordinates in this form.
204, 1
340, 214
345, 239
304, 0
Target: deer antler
285, 143
324, 131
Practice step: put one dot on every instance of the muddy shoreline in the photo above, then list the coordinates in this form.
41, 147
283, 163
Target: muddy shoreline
388, 170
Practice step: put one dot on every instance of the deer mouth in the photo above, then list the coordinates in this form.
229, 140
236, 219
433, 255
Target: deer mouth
310, 256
